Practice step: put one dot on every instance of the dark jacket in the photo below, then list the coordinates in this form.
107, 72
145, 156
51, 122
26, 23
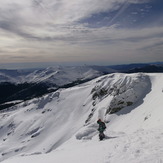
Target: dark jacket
102, 126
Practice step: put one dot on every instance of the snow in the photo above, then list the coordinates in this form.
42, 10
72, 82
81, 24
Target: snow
59, 75
62, 75
61, 126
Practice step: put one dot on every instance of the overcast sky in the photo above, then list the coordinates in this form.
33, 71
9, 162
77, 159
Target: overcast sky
81, 31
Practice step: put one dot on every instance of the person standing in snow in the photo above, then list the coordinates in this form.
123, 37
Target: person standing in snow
101, 129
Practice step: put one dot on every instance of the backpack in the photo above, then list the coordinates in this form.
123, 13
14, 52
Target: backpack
102, 127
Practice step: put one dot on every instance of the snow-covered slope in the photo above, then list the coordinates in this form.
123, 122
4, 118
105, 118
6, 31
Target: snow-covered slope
63, 75
61, 127
59, 75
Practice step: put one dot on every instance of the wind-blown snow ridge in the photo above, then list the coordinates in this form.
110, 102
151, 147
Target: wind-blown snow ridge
63, 124
125, 90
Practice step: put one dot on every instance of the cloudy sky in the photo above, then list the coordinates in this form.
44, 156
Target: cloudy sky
81, 31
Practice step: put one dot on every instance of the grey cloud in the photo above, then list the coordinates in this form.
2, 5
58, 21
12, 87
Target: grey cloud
139, 1
158, 44
13, 21
141, 38
18, 57
2, 51
13, 28
52, 24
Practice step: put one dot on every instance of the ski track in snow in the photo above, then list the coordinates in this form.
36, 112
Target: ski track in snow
42, 131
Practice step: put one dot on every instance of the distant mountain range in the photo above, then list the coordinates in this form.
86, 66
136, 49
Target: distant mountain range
26, 84
139, 67
20, 85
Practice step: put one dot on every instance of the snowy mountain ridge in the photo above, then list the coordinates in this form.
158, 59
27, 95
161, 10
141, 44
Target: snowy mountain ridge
63, 75
16, 85
21, 85
35, 75
61, 126
58, 75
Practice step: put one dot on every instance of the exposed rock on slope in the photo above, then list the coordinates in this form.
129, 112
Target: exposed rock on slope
125, 90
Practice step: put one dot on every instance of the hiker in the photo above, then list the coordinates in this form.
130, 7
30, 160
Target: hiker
101, 129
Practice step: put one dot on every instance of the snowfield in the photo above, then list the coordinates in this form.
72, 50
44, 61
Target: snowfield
61, 126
